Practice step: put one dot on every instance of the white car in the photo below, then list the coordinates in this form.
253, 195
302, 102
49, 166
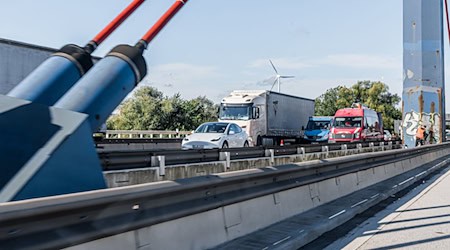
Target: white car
216, 135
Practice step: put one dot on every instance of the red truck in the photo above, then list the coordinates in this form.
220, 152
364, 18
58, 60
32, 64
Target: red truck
358, 123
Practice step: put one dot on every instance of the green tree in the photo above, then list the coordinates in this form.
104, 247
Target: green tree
332, 100
374, 95
200, 110
138, 112
149, 109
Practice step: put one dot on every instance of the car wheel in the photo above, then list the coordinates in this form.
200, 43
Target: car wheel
246, 144
225, 145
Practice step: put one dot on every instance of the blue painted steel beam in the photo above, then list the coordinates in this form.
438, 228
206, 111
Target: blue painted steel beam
423, 99
55, 76
104, 87
45, 151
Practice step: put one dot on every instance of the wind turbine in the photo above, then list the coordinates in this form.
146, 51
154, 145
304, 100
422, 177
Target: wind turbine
278, 76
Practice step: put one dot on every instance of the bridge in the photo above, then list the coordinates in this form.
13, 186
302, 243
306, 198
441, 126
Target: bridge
59, 191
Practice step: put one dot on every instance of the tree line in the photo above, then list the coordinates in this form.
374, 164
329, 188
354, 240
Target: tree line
149, 109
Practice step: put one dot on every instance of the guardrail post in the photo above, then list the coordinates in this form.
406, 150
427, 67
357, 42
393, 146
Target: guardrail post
325, 150
301, 151
344, 148
372, 146
270, 153
225, 156
381, 145
359, 147
390, 145
162, 165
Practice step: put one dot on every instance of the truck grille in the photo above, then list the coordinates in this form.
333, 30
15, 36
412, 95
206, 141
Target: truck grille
344, 136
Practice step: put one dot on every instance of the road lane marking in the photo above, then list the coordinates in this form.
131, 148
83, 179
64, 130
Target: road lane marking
334, 215
359, 203
405, 181
374, 196
278, 242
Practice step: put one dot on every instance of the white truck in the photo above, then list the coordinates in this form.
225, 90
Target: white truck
267, 117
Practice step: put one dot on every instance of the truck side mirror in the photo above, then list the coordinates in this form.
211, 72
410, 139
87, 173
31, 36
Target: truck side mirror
255, 111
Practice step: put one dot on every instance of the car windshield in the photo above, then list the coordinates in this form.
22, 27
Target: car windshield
347, 122
314, 125
235, 112
212, 128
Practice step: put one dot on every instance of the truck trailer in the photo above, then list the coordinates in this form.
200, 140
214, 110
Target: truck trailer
268, 117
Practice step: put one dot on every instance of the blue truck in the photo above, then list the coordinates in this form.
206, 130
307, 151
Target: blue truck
318, 128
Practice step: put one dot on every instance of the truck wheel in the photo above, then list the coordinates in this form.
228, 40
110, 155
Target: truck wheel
246, 144
258, 141
225, 145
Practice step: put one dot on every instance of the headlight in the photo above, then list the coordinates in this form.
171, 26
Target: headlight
215, 139
325, 136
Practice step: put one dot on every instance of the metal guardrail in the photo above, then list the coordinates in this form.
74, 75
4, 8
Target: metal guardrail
145, 134
120, 160
40, 223
138, 140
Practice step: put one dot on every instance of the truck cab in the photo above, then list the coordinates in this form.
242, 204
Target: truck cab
358, 123
244, 108
318, 129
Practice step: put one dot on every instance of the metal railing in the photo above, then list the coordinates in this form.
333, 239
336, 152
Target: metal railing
120, 134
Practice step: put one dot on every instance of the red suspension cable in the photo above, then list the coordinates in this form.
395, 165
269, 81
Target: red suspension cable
163, 20
100, 37
448, 23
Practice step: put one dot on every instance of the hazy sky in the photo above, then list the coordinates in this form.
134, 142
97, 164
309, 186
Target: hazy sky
212, 47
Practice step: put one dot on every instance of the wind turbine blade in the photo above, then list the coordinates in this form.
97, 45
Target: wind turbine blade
274, 82
273, 66
287, 76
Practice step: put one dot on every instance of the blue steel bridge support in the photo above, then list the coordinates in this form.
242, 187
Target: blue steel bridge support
423, 99
48, 150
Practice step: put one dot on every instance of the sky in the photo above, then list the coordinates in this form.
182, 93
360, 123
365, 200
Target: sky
212, 47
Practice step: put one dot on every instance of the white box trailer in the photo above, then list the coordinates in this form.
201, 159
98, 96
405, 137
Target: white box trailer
267, 116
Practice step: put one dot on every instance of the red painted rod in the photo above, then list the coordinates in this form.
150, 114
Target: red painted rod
447, 18
100, 37
163, 20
